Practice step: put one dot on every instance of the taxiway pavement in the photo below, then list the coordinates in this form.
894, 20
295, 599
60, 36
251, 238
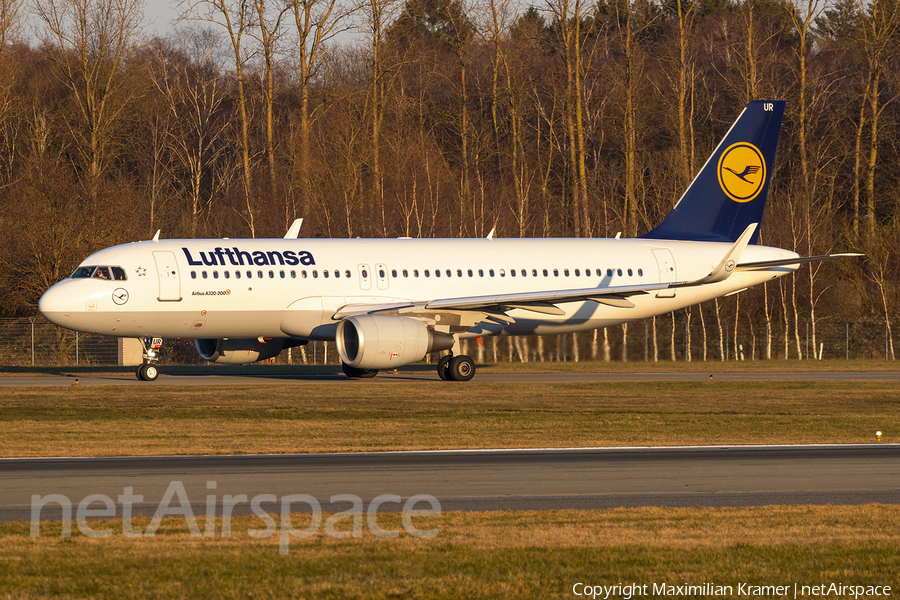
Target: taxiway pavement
407, 376
477, 480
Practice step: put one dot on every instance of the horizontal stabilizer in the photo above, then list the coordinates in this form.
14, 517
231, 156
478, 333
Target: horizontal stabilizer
764, 264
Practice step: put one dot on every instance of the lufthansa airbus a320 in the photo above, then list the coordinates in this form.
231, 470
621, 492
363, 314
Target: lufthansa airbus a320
389, 302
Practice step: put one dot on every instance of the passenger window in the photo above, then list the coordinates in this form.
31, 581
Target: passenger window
566, 272
640, 272
545, 272
118, 273
259, 274
502, 272
394, 273
237, 274
524, 273
556, 272
405, 273
577, 273
347, 273
630, 273
491, 271
609, 272
415, 272
293, 274
599, 273
337, 274
512, 272
325, 274
82, 272
315, 274
203, 274
534, 272
449, 273
427, 273
470, 273
481, 272
459, 272
193, 274
281, 273
303, 274
437, 272
249, 274
227, 274
619, 272
215, 274
365, 273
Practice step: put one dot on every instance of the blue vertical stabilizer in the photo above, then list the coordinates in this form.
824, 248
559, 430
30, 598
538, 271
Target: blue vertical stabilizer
729, 193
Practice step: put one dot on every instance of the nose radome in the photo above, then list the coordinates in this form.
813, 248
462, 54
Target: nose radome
55, 304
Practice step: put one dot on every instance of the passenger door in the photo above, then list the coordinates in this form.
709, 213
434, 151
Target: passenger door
169, 280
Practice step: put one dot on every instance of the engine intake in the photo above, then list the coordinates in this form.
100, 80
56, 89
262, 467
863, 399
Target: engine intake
381, 342
239, 351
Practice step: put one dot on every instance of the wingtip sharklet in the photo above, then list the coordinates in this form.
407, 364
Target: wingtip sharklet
729, 262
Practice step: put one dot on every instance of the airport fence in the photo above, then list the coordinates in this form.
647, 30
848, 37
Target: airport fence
35, 341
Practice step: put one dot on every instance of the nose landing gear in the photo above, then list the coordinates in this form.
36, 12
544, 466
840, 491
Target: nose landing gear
148, 370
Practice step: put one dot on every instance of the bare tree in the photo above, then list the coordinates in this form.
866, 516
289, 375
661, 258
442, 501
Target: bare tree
267, 34
88, 40
236, 18
193, 91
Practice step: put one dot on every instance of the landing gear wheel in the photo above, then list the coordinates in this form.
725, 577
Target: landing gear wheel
147, 372
442, 367
354, 373
461, 368
150, 373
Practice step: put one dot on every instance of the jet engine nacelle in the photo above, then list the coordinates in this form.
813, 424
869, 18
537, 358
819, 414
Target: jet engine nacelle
238, 351
381, 342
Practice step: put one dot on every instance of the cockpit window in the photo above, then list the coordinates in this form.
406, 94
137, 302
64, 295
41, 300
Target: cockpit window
102, 273
82, 272
107, 273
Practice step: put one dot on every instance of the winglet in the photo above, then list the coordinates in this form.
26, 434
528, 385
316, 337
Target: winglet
156, 237
294, 231
726, 266
490, 236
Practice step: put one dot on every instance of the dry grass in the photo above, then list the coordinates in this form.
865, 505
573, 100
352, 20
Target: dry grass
371, 416
475, 555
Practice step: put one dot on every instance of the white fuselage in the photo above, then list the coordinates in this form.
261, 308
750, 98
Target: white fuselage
240, 288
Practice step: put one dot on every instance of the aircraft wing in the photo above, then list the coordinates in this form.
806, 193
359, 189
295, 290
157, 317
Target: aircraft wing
496, 305
545, 301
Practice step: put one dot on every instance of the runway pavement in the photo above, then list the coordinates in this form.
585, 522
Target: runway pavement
406, 376
476, 480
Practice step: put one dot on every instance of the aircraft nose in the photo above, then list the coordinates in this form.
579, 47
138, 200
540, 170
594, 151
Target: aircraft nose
55, 304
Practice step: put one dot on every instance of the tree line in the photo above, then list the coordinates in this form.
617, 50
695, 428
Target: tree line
449, 118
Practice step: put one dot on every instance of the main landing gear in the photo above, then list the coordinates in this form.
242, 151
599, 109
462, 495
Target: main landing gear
148, 370
456, 368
